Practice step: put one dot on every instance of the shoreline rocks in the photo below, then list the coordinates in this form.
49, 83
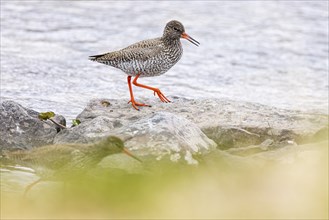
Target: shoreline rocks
178, 130
160, 134
21, 129
228, 123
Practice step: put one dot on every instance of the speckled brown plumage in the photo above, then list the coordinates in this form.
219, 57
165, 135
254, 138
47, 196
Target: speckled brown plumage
149, 57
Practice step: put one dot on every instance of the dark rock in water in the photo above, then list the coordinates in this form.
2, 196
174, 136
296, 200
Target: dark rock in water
20, 128
60, 120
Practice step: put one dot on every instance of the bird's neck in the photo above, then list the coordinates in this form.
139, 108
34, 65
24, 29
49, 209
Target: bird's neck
101, 150
169, 41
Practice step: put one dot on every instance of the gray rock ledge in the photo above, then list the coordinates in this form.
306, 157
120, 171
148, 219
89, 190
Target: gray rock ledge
228, 123
20, 128
179, 130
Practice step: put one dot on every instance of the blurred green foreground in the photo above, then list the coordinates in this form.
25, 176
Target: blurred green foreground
222, 186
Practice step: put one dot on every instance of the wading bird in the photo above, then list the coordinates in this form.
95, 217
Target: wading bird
148, 58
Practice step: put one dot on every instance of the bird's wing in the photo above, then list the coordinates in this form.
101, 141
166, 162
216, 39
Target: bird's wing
142, 50
145, 44
51, 157
138, 54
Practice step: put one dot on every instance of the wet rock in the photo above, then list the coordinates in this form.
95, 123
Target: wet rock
266, 144
88, 132
160, 134
252, 149
228, 137
20, 128
164, 134
60, 120
179, 129
229, 123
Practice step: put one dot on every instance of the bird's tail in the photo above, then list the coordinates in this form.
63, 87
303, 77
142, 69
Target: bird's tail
95, 57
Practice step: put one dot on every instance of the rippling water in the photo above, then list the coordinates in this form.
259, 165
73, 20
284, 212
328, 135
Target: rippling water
269, 52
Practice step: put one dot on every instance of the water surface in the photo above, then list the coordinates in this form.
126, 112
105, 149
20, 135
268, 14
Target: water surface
269, 52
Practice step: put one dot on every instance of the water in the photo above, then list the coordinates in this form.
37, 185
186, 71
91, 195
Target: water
269, 52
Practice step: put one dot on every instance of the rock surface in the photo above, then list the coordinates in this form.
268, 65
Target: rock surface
178, 130
20, 128
228, 123
159, 134
164, 133
87, 132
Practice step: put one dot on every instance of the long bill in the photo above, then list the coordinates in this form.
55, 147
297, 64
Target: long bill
189, 38
130, 154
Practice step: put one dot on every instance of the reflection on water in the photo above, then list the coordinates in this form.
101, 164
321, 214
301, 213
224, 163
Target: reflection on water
287, 184
275, 53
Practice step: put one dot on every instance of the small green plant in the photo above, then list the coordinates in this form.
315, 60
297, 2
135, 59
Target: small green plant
44, 116
75, 122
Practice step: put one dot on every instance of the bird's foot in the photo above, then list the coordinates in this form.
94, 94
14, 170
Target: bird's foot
162, 97
135, 104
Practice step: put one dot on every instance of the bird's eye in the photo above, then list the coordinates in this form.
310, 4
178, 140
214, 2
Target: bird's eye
176, 29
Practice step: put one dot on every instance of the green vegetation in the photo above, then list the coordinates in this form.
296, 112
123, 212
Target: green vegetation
291, 185
46, 115
75, 122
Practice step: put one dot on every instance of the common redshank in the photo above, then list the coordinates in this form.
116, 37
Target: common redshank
64, 162
148, 58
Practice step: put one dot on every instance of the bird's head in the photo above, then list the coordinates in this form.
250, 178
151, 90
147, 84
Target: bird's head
113, 145
175, 30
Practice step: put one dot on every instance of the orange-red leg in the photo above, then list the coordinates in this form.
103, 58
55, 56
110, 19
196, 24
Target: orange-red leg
155, 90
132, 99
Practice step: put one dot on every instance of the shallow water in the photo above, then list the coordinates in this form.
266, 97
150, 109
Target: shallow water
270, 52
